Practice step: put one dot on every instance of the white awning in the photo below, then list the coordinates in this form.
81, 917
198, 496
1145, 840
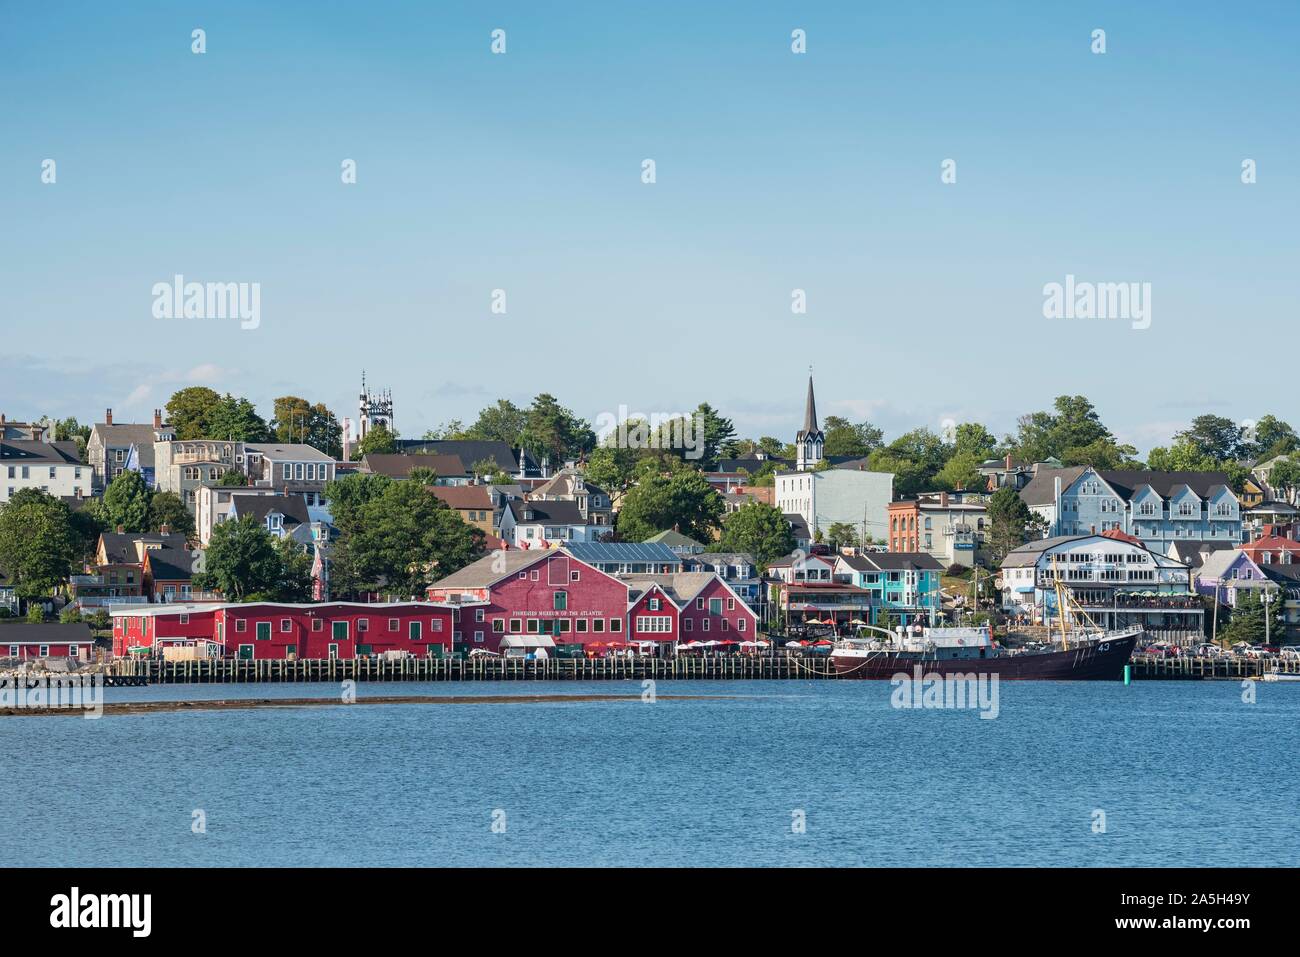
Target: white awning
527, 641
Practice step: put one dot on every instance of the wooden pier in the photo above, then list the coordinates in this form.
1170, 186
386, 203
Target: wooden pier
684, 668
230, 670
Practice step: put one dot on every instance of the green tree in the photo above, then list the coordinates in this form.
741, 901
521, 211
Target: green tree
407, 537
1183, 456
1073, 423
38, 543
1273, 437
126, 502
294, 419
36, 614
915, 458
503, 422
487, 470
713, 434
759, 529
232, 478
554, 432
683, 500
166, 508
348, 495
1215, 437
1103, 453
846, 438
1284, 478
962, 471
241, 561
70, 430
1010, 523
70, 615
378, 441
237, 420
190, 412
841, 534
1247, 621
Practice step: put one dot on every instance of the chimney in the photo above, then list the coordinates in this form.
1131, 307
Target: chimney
943, 499
164, 529
157, 418
1008, 461
1056, 500
2, 418
108, 416
121, 529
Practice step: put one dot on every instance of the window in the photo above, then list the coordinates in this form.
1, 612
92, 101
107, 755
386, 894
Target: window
478, 636
263, 631
241, 625
532, 626
318, 624
731, 604
45, 651
393, 624
478, 614
688, 624
616, 624
653, 604
339, 630
740, 625
498, 626
581, 626
536, 575
415, 632
715, 606
185, 619
560, 601
435, 624
13, 651
363, 625
516, 625
654, 624
699, 603
575, 576
523, 575
564, 626
706, 624
286, 625
287, 471
598, 624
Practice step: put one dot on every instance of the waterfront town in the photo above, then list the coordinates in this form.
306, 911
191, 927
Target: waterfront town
210, 532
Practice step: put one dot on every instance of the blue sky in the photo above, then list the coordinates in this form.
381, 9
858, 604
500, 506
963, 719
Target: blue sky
774, 172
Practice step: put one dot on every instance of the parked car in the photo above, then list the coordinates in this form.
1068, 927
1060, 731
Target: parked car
1209, 651
1290, 652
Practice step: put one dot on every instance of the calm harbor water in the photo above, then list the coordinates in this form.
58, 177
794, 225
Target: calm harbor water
1185, 773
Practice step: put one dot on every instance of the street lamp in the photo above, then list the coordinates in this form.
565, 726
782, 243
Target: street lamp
1267, 599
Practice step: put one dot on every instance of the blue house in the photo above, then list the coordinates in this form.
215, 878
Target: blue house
1158, 508
903, 585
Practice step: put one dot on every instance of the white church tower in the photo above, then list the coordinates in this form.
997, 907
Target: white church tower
375, 409
808, 443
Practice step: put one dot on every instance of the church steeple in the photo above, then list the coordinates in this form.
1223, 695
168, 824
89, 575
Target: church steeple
808, 443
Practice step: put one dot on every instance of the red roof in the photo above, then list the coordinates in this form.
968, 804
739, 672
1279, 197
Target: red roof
1122, 536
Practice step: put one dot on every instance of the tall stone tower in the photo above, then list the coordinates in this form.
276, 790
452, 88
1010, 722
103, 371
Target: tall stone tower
375, 408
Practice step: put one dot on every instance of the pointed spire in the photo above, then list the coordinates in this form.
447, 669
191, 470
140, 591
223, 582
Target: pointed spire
810, 410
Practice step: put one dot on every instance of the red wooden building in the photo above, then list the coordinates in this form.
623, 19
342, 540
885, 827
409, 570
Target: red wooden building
535, 592
49, 640
686, 607
553, 593
270, 630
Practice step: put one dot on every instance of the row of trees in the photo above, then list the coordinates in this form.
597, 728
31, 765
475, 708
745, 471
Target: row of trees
198, 412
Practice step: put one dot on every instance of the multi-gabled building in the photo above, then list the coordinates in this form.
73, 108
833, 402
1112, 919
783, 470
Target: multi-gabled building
1159, 508
1115, 578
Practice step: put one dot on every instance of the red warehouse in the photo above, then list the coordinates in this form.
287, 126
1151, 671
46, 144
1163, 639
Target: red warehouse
271, 630
535, 592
